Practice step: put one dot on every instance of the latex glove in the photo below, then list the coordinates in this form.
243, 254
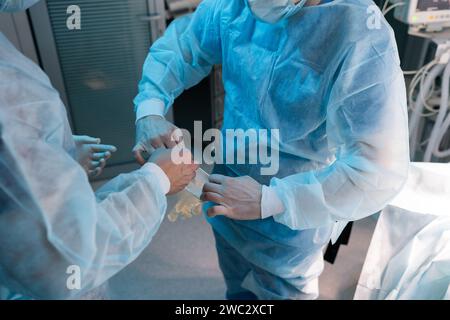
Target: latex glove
153, 132
92, 155
180, 175
236, 198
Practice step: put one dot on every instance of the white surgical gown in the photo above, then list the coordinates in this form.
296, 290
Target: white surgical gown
409, 256
50, 218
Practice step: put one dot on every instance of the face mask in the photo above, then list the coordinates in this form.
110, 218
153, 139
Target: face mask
272, 11
16, 5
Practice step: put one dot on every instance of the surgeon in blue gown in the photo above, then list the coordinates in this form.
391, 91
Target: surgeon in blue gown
331, 83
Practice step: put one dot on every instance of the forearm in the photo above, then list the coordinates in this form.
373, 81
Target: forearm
131, 209
348, 190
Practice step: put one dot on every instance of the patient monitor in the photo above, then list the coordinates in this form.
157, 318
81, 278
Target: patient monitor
431, 15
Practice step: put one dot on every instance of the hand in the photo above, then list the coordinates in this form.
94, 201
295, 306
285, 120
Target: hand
236, 198
180, 175
92, 155
153, 132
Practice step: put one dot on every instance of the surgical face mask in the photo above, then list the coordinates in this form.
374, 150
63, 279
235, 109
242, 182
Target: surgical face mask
16, 5
272, 11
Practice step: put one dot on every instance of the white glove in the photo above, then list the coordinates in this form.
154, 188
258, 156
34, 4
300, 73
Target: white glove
92, 155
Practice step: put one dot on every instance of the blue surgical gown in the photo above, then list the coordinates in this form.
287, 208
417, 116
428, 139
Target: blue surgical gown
331, 82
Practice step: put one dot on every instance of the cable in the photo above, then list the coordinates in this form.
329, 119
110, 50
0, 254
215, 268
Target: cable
419, 78
441, 115
436, 70
443, 130
410, 73
385, 5
387, 10
440, 136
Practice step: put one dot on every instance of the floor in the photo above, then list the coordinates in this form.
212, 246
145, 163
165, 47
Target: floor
181, 263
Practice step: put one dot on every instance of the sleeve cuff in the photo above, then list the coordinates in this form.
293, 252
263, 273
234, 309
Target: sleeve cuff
159, 175
152, 107
271, 204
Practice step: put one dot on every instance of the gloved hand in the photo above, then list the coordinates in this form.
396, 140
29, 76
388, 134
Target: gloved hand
236, 198
180, 175
153, 132
92, 155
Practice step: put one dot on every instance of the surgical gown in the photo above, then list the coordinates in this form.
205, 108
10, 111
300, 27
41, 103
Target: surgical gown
333, 86
409, 255
50, 218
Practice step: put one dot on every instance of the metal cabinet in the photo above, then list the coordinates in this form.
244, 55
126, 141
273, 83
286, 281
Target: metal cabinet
97, 68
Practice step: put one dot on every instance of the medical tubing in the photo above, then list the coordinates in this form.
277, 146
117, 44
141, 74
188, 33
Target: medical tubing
389, 9
419, 79
443, 130
417, 110
441, 115
431, 76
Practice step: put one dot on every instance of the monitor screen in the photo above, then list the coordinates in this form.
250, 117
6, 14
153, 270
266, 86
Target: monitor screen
433, 5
